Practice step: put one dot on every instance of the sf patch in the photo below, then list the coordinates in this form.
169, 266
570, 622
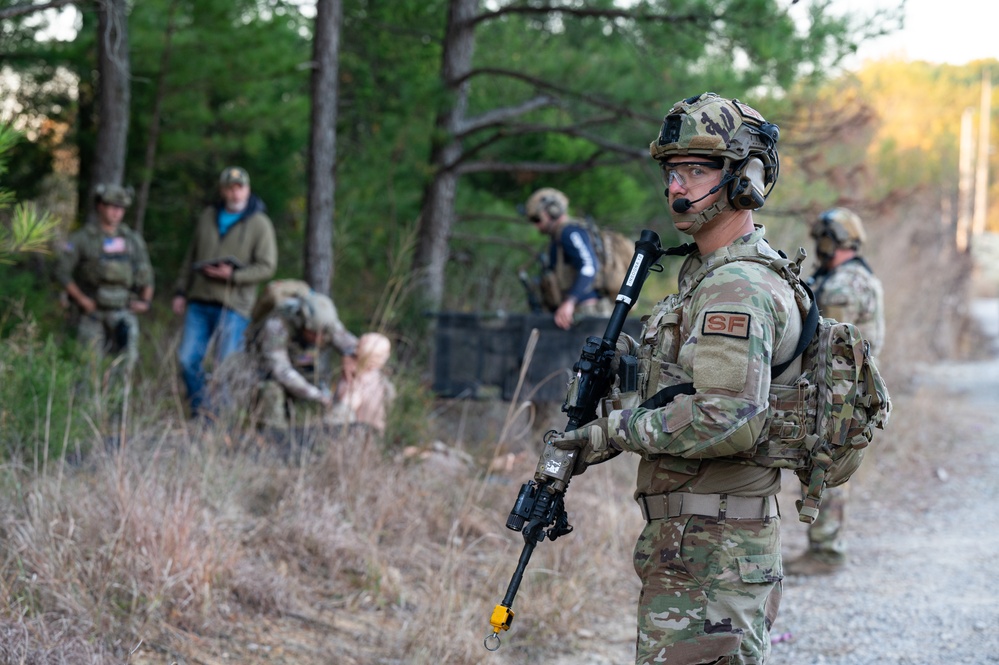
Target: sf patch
727, 324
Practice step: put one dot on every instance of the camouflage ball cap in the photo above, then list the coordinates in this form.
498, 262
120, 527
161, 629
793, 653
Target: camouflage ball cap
234, 175
115, 195
713, 126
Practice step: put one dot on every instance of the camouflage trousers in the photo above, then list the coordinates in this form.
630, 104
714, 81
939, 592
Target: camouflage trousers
825, 534
111, 332
276, 409
710, 590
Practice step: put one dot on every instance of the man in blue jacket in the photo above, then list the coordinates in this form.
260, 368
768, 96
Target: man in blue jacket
569, 281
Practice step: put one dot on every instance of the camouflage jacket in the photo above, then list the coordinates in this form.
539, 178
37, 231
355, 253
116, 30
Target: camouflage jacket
281, 355
851, 293
730, 320
107, 267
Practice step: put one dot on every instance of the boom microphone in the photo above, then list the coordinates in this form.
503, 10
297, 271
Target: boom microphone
683, 205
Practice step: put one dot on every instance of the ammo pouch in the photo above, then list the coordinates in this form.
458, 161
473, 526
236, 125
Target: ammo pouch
112, 296
116, 269
551, 292
624, 394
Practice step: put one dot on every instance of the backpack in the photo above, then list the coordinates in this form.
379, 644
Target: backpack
614, 251
822, 423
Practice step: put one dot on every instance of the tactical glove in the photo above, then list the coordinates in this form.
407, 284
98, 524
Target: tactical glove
593, 443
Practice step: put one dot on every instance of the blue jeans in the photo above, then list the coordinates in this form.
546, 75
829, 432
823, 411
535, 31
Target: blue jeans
204, 322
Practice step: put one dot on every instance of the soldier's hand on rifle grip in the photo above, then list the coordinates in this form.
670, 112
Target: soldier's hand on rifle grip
594, 443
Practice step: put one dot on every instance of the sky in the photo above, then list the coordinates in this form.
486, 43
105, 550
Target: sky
941, 31
954, 32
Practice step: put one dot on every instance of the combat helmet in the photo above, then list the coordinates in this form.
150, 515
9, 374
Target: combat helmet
731, 132
318, 314
548, 199
115, 195
837, 228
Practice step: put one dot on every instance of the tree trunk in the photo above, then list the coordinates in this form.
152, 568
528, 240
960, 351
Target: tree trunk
114, 95
322, 146
149, 163
437, 212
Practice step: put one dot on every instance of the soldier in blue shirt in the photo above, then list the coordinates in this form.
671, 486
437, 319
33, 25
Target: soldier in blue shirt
568, 284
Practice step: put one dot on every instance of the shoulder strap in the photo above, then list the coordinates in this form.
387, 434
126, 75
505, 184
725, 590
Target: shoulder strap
808, 328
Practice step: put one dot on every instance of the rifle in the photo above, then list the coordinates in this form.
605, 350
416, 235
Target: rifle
539, 510
532, 297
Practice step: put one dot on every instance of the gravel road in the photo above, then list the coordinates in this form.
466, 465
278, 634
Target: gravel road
923, 529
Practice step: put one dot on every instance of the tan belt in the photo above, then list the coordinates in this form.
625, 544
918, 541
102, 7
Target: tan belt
722, 506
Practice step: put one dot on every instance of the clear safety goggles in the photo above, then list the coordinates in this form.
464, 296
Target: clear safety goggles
689, 174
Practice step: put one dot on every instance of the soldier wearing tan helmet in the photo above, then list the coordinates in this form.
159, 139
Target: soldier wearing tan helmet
105, 270
709, 556
845, 289
571, 264
289, 344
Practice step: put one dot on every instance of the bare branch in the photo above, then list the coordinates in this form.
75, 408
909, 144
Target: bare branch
501, 115
621, 111
595, 161
30, 8
629, 153
586, 12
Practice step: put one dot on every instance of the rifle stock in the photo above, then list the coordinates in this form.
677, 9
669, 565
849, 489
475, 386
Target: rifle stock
539, 510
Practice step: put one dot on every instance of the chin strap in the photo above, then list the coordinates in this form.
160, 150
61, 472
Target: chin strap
699, 219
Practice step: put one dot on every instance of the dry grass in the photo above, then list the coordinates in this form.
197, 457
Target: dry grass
187, 539
181, 534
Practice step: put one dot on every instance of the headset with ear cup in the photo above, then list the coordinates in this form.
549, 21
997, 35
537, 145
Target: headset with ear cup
552, 206
755, 176
548, 200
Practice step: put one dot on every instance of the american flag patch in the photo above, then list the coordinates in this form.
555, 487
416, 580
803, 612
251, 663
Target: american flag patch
114, 245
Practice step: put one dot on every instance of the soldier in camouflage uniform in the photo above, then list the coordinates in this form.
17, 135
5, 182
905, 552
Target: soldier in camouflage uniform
290, 348
709, 557
568, 284
845, 289
105, 270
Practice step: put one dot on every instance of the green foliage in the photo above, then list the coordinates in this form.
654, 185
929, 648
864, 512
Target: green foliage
43, 411
235, 89
614, 78
27, 230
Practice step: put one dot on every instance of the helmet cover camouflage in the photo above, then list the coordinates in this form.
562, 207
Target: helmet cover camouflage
115, 195
319, 314
842, 225
548, 199
713, 126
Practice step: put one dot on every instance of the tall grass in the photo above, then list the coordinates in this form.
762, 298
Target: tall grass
184, 536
